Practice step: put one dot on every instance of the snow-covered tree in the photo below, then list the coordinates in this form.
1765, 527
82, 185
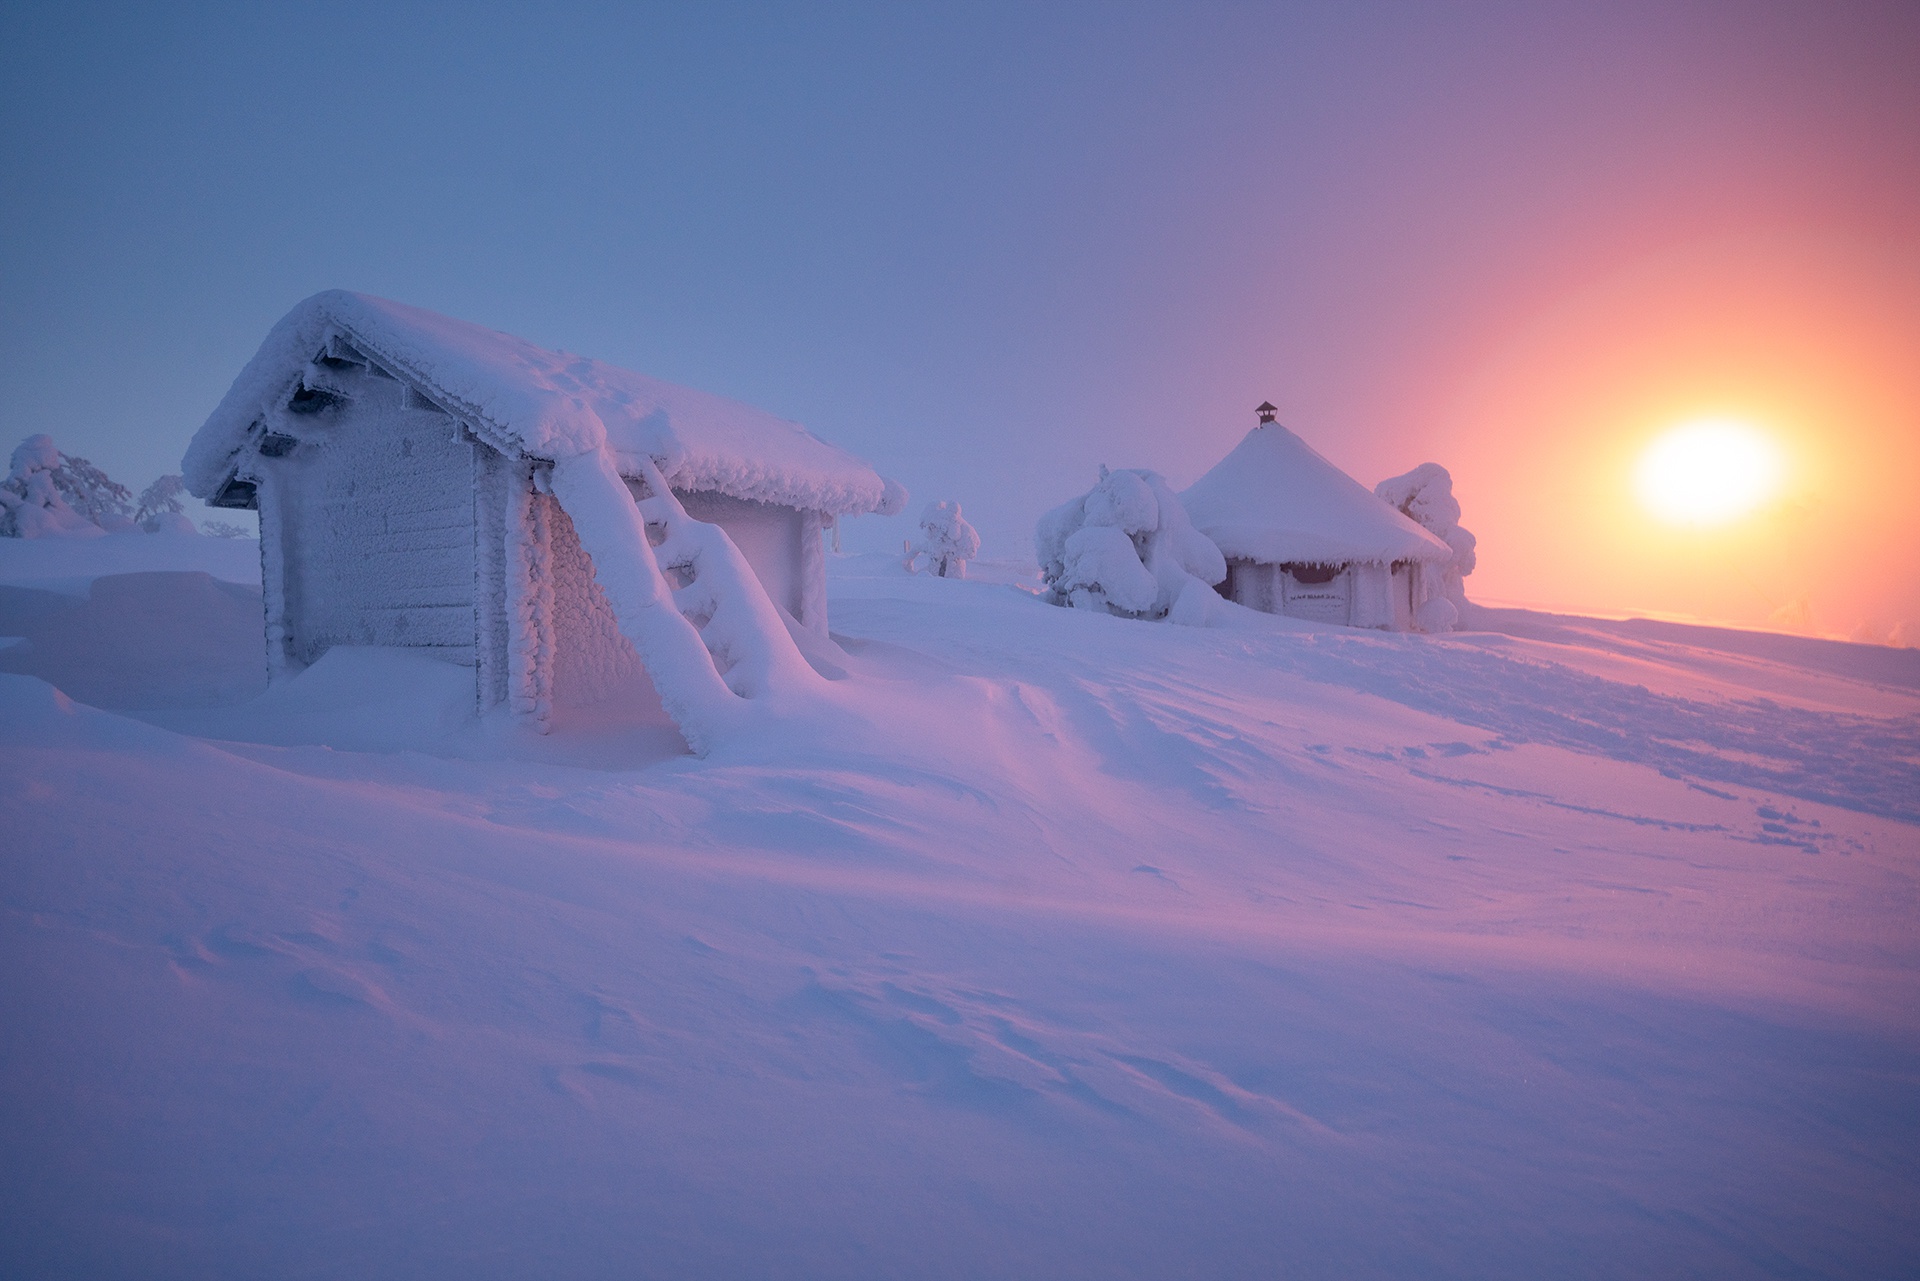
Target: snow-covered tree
946, 541
1126, 546
1425, 495
225, 529
162, 507
48, 494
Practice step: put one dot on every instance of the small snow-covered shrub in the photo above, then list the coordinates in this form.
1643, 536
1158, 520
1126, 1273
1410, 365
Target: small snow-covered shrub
162, 507
946, 540
48, 494
1425, 495
225, 529
1126, 546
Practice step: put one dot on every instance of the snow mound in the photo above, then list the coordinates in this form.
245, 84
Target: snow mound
141, 641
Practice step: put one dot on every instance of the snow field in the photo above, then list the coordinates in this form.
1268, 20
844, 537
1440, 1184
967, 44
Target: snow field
1051, 944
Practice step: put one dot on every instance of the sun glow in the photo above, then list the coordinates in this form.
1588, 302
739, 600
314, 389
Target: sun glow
1709, 472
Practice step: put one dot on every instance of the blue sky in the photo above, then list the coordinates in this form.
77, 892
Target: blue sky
988, 247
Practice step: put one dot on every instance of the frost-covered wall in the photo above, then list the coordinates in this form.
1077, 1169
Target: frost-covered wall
371, 499
771, 538
597, 675
1354, 595
499, 484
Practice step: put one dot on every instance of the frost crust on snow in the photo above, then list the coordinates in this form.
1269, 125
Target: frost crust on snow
1127, 547
1425, 495
946, 541
525, 399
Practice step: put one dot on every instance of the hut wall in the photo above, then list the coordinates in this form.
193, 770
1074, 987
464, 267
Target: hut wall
771, 539
597, 676
497, 482
1405, 584
1372, 603
1328, 602
374, 518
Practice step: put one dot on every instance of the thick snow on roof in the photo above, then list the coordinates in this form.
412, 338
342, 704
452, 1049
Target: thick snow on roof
1274, 499
547, 404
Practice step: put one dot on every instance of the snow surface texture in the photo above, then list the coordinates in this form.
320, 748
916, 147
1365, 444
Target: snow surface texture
1272, 499
1126, 547
1565, 948
946, 541
1425, 495
524, 399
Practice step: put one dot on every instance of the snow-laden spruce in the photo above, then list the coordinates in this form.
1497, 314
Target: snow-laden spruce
48, 494
162, 507
1127, 547
591, 541
1425, 495
946, 541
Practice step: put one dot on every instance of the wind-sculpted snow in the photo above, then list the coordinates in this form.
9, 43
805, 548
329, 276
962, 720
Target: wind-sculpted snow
1049, 945
1864, 763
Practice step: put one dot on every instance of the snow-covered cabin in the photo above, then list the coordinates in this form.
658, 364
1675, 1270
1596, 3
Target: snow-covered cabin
1303, 538
403, 466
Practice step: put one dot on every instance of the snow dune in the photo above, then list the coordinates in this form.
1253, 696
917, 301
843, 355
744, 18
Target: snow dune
1073, 947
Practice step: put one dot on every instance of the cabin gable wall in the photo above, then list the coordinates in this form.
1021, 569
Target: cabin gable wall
372, 508
771, 538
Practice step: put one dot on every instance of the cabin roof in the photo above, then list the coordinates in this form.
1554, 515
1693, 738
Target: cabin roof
528, 401
1274, 499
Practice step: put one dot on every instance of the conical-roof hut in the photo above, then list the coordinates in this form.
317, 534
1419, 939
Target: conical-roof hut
1303, 538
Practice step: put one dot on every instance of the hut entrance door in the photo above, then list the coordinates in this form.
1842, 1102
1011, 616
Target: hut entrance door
1329, 601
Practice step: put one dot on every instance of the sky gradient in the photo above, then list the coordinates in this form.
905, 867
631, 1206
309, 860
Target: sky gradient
992, 247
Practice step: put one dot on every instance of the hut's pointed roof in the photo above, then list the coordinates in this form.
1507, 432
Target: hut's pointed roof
1274, 499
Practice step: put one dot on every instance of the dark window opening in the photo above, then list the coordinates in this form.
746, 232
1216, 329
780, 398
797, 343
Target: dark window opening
311, 400
241, 494
1312, 575
276, 445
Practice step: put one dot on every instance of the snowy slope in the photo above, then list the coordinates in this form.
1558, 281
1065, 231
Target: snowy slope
1076, 947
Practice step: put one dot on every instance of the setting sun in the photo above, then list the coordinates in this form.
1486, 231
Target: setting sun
1708, 472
